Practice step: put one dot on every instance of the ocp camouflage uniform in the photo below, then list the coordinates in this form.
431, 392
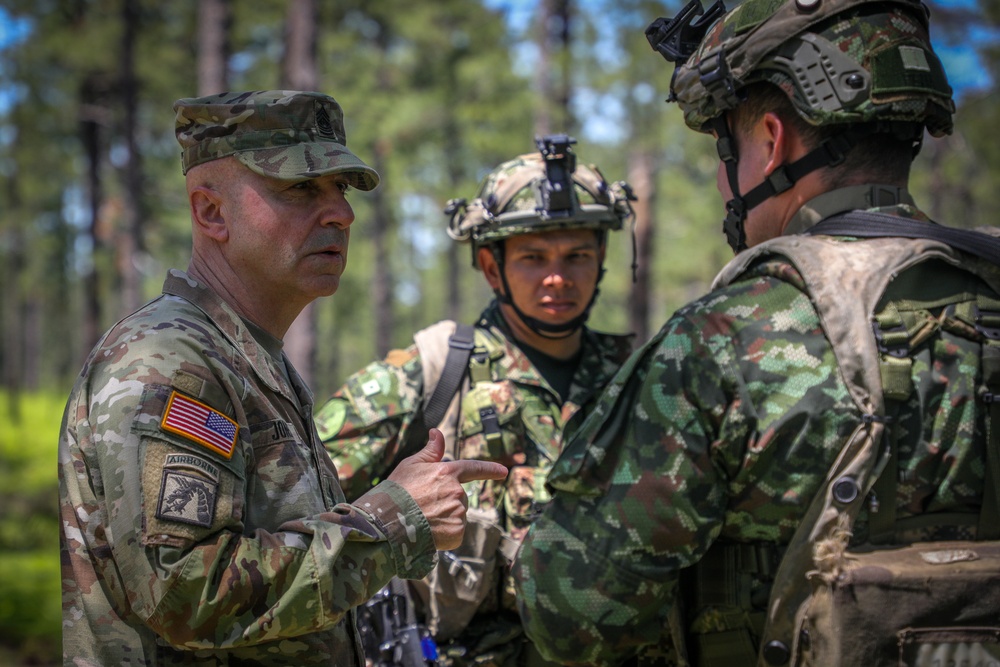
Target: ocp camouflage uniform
202, 520
364, 423
721, 430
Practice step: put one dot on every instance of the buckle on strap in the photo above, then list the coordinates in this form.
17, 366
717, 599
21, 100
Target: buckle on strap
727, 152
732, 226
780, 180
718, 81
836, 148
987, 323
889, 340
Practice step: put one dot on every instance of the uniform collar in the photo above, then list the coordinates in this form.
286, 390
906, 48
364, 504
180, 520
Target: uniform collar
598, 360
181, 284
851, 198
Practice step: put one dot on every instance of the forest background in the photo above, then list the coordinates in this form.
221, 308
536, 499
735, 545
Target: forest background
93, 208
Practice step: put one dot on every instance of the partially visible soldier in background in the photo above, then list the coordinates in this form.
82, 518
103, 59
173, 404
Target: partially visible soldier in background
502, 390
802, 466
202, 522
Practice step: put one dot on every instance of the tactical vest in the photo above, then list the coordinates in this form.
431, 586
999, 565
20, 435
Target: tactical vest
477, 421
833, 603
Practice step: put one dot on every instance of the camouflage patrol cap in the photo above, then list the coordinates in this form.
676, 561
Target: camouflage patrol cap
285, 134
511, 201
839, 61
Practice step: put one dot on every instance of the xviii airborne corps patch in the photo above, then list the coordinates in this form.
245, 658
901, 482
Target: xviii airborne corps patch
188, 490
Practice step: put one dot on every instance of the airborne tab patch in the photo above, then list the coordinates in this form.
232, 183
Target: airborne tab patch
196, 421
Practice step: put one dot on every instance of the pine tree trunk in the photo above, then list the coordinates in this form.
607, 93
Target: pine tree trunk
215, 18
384, 277
299, 72
90, 136
131, 245
641, 176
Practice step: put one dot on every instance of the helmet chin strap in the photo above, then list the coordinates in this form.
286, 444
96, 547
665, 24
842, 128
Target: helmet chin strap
543, 329
829, 153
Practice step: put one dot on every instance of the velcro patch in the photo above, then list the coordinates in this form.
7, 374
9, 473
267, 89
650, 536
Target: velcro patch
186, 498
196, 421
914, 58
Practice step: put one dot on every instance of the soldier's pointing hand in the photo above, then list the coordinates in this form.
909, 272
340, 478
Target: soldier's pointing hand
436, 486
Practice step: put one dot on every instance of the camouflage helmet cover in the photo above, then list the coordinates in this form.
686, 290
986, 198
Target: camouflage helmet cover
510, 202
840, 61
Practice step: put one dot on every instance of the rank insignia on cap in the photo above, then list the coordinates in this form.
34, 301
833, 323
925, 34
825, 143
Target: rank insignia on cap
196, 421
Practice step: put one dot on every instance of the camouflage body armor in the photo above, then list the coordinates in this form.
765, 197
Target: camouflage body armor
856, 586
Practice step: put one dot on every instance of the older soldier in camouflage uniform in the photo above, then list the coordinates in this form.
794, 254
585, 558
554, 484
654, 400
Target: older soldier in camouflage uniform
674, 501
202, 520
533, 367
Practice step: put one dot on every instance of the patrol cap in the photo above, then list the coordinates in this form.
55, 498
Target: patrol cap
284, 134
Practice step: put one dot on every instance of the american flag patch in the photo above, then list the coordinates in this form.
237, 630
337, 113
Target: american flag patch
196, 421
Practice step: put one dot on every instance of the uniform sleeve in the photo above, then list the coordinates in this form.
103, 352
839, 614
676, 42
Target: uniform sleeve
366, 420
639, 493
200, 566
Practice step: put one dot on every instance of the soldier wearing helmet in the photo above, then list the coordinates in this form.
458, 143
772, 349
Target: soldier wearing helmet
827, 402
501, 390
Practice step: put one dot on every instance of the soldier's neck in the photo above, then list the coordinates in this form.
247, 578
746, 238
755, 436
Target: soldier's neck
559, 348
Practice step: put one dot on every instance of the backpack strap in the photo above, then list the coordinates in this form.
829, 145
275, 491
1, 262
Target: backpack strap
897, 332
871, 224
460, 346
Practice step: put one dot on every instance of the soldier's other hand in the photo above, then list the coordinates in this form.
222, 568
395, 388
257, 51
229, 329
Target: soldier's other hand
436, 486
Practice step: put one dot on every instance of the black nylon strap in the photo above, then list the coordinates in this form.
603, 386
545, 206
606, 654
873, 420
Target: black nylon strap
871, 224
460, 347
831, 152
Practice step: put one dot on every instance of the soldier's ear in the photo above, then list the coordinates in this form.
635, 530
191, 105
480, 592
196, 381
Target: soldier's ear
780, 143
207, 213
488, 263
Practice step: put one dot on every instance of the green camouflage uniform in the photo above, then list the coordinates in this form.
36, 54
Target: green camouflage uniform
367, 419
723, 428
226, 541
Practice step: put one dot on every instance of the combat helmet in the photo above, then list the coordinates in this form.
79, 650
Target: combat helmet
862, 65
539, 192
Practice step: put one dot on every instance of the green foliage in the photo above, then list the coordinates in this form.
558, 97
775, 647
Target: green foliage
30, 607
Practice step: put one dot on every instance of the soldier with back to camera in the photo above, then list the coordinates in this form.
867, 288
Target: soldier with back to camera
802, 466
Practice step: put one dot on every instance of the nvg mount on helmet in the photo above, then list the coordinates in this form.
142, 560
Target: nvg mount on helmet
560, 163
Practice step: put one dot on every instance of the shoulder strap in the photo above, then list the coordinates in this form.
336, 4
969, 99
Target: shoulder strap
871, 224
460, 346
